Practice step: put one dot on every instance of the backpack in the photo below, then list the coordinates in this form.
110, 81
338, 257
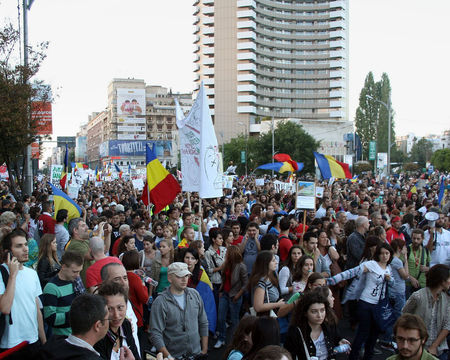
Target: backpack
5, 278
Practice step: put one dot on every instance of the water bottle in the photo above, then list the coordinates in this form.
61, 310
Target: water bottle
343, 348
150, 281
293, 298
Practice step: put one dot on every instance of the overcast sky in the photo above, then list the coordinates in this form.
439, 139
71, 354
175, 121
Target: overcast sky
94, 41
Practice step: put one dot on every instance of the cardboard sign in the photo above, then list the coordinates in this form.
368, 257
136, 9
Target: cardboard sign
306, 195
259, 182
138, 184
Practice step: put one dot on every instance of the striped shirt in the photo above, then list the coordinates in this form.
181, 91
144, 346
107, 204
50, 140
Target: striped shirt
58, 297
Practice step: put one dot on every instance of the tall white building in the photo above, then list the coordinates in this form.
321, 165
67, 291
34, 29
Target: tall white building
273, 58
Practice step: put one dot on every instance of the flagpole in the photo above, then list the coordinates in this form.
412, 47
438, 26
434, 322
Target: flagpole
189, 200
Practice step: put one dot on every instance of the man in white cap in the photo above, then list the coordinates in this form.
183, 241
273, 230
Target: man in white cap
178, 322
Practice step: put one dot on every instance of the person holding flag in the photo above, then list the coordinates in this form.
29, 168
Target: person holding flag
120, 172
63, 179
161, 188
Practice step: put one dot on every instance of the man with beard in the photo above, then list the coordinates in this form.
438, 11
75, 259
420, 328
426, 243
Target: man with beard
437, 240
411, 334
418, 262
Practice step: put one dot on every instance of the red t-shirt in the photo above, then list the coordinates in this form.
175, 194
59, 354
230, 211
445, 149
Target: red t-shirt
284, 245
46, 224
93, 277
115, 248
238, 240
138, 295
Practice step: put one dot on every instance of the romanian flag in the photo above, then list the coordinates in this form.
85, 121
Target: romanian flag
78, 165
118, 170
280, 167
288, 164
63, 201
412, 191
63, 178
330, 167
354, 179
161, 187
441, 190
205, 289
97, 174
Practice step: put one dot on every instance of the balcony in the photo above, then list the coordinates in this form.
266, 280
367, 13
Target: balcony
246, 66
246, 3
246, 109
246, 14
246, 56
208, 61
246, 24
246, 88
246, 77
255, 128
208, 40
338, 4
208, 50
209, 20
208, 2
337, 24
208, 10
246, 98
208, 30
246, 46
246, 35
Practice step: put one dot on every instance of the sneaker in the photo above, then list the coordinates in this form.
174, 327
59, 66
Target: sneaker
219, 344
390, 346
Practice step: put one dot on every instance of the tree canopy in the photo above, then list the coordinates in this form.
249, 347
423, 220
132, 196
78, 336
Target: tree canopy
18, 89
421, 152
441, 159
290, 138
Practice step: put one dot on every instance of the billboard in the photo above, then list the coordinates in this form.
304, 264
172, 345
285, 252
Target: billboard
131, 121
130, 102
132, 128
131, 136
124, 148
35, 154
41, 112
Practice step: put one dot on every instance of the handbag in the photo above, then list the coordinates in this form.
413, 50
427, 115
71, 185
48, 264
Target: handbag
270, 313
383, 312
304, 345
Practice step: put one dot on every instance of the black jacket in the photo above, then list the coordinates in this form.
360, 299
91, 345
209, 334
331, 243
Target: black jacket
57, 348
105, 346
295, 346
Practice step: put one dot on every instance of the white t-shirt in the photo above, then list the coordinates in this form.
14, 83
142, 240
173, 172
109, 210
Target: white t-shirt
441, 254
321, 347
23, 310
375, 282
211, 223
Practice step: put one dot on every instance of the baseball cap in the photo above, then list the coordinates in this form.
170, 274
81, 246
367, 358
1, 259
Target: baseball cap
120, 207
178, 269
113, 203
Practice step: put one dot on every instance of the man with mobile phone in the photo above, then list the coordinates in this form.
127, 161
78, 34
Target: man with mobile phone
19, 298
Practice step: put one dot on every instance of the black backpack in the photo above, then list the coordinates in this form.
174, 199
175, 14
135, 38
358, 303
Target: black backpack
5, 278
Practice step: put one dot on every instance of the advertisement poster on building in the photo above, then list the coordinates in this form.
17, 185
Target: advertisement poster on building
41, 113
130, 101
131, 121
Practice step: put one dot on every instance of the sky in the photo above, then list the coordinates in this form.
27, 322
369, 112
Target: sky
94, 41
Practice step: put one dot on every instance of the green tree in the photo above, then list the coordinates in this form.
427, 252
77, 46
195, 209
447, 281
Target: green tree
18, 89
384, 95
441, 159
366, 114
291, 139
421, 152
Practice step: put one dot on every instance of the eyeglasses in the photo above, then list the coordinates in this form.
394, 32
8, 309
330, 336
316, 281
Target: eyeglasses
400, 339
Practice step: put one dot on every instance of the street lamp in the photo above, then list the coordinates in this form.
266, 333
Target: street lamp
246, 144
388, 108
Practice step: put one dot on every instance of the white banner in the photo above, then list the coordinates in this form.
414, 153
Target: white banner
72, 191
228, 182
131, 128
279, 185
200, 158
259, 182
131, 136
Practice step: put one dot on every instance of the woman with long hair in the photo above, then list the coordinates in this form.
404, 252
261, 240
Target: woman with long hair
215, 258
304, 269
242, 339
147, 255
234, 283
265, 332
158, 270
327, 250
286, 272
373, 278
127, 243
228, 237
310, 331
48, 263
200, 281
315, 280
263, 284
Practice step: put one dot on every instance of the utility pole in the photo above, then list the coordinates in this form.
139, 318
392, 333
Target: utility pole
28, 170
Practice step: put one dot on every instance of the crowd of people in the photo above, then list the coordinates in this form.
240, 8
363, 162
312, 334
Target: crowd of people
246, 275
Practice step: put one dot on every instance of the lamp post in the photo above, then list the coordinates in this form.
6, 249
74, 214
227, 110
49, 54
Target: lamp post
246, 144
388, 108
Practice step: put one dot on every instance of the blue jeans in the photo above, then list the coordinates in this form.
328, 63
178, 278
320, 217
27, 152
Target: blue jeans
226, 304
367, 332
398, 301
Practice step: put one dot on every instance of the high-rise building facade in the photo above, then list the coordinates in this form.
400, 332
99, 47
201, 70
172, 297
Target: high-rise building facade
272, 58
